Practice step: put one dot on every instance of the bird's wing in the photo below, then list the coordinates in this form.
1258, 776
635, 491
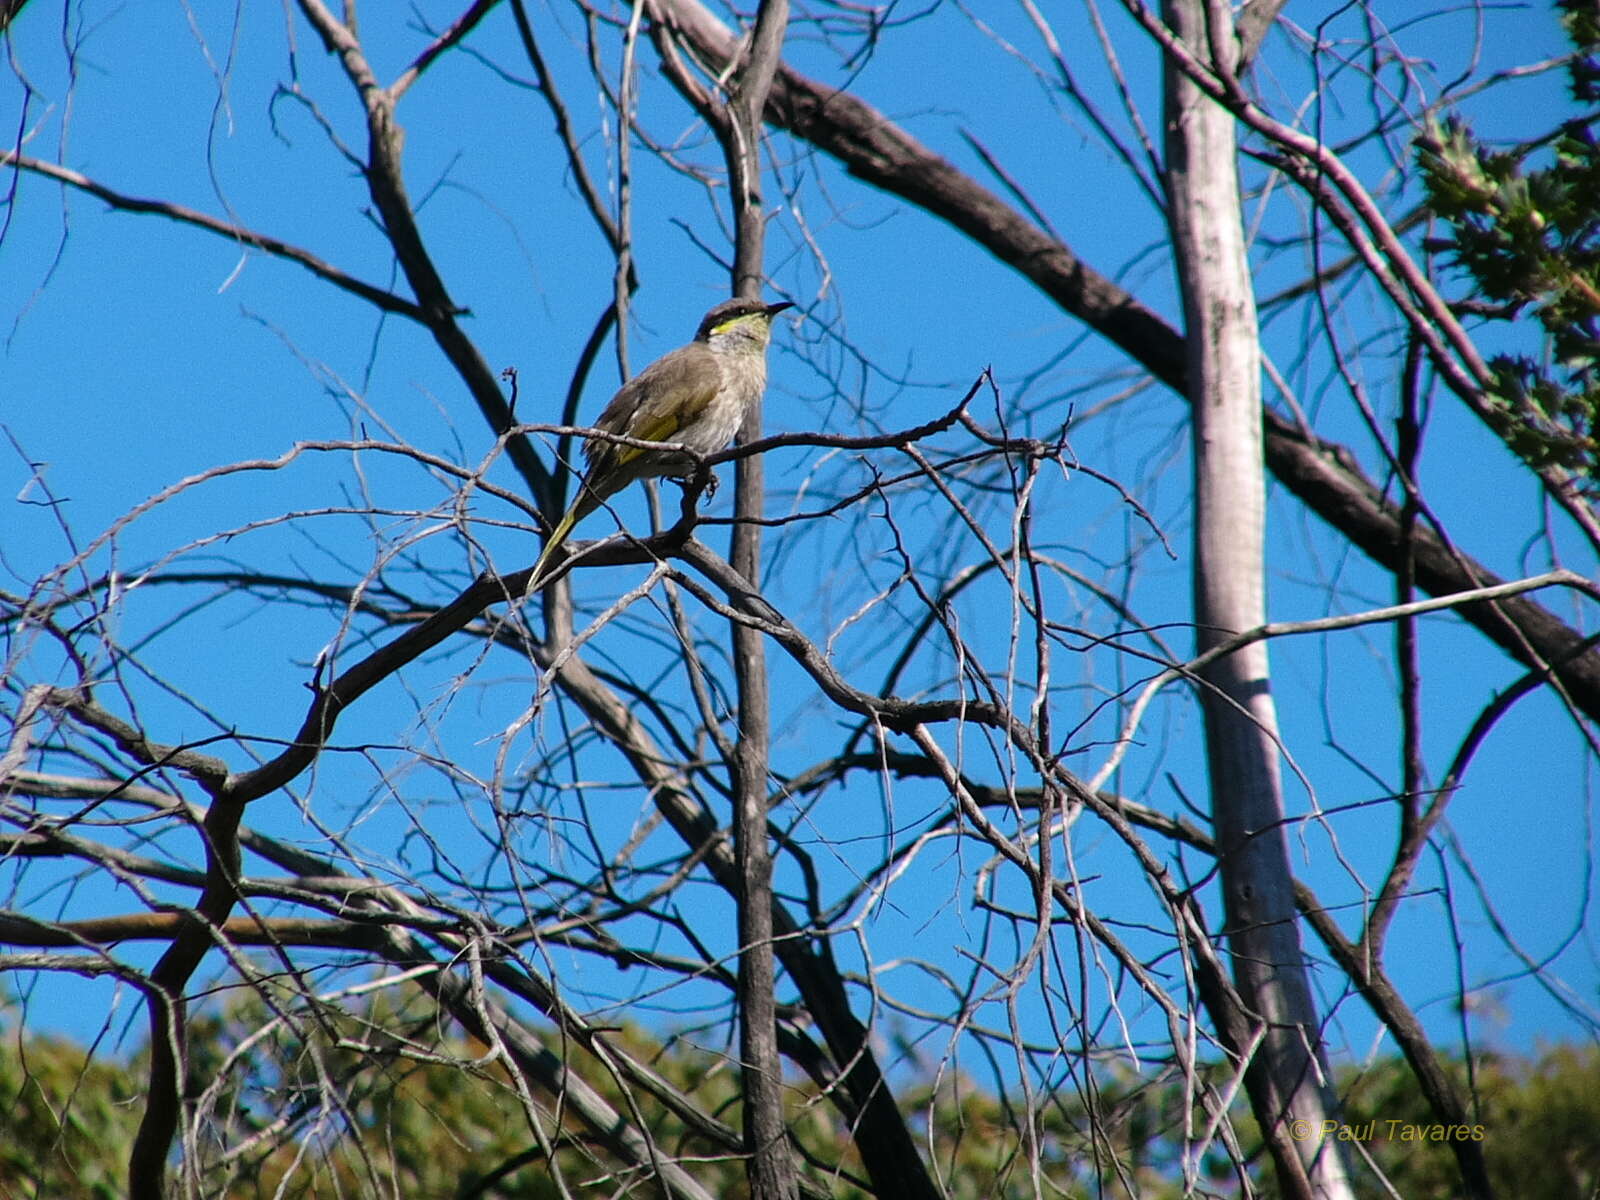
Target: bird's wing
655, 404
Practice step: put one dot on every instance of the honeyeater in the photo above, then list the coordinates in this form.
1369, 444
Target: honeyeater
695, 396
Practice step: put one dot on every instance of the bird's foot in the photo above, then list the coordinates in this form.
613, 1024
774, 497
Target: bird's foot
699, 482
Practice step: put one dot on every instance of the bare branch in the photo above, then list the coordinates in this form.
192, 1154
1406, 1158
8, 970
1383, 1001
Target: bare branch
386, 301
463, 25
1323, 475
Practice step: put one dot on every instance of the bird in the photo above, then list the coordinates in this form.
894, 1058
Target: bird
695, 396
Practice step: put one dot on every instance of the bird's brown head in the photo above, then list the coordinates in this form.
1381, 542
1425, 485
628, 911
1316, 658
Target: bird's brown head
740, 320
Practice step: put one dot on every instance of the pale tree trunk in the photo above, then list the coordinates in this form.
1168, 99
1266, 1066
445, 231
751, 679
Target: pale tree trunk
1286, 1081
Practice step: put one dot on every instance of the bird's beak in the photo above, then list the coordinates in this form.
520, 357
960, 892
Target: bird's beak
774, 309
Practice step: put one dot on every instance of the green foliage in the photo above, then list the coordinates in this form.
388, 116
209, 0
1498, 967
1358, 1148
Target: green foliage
316, 1101
68, 1118
1129, 1149
1539, 1118
1554, 1110
306, 1100
378, 1100
1528, 237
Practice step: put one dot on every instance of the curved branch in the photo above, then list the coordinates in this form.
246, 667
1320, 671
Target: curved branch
122, 202
463, 25
1323, 475
386, 184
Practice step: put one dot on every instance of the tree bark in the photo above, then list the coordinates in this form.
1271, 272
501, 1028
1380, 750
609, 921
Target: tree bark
1223, 372
1324, 476
769, 1165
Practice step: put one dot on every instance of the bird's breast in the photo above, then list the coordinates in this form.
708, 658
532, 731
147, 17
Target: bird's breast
742, 383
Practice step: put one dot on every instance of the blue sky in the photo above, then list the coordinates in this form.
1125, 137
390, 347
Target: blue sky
139, 352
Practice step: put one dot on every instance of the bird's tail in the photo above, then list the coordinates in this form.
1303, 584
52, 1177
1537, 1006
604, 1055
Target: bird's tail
558, 538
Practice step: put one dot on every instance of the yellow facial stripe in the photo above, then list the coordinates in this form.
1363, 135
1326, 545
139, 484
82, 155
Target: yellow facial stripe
747, 319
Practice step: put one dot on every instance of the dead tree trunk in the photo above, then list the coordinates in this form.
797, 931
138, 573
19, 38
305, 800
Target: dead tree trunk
1285, 1079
